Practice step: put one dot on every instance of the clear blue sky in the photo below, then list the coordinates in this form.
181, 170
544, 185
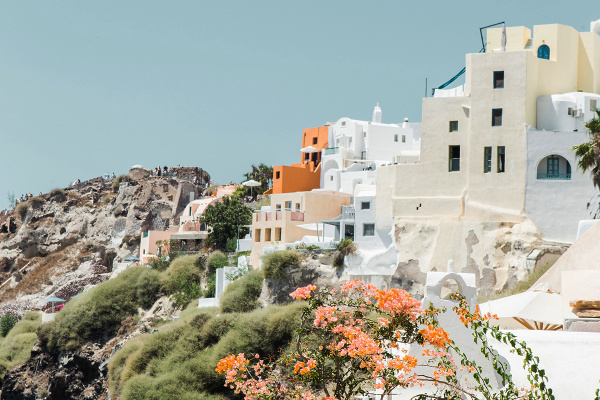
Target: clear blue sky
98, 86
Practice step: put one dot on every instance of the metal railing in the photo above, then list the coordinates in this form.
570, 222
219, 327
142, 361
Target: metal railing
556, 177
332, 150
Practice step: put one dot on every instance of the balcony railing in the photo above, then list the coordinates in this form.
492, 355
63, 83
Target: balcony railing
297, 216
555, 177
332, 150
348, 213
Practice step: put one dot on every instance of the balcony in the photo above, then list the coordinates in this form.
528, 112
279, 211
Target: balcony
297, 216
555, 177
347, 212
332, 150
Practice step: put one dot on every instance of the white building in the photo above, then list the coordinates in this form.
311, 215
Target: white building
557, 193
358, 148
376, 253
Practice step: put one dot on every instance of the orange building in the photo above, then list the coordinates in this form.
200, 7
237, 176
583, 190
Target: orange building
305, 175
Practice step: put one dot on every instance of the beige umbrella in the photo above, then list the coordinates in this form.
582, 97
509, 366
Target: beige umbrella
251, 183
532, 309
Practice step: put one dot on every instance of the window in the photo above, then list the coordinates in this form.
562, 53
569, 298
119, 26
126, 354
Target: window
570, 112
403, 138
257, 235
487, 159
501, 159
364, 134
315, 140
343, 123
277, 234
497, 117
288, 205
498, 79
395, 138
306, 156
331, 178
453, 126
277, 174
544, 52
552, 167
365, 205
268, 235
454, 158
278, 207
368, 229
592, 105
297, 206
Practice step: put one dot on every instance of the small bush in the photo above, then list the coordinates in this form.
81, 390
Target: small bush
159, 263
22, 209
242, 294
117, 181
344, 247
216, 260
36, 201
97, 313
231, 245
58, 195
274, 264
131, 240
183, 288
148, 285
7, 322
193, 264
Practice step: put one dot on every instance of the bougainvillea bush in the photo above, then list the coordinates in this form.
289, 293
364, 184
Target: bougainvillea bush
357, 340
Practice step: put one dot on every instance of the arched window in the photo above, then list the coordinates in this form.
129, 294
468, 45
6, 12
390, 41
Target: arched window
554, 167
544, 52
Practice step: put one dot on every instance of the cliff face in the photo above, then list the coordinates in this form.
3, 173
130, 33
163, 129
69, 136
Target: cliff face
77, 236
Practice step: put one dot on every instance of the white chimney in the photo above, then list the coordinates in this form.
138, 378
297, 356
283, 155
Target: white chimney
376, 114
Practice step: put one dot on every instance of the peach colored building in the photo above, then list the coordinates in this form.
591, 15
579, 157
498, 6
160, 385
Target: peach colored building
305, 175
278, 224
148, 246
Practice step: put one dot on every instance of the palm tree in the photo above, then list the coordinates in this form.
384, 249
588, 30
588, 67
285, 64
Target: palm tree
588, 153
261, 173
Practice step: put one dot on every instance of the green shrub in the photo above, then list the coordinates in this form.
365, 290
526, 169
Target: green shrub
6, 324
344, 247
242, 294
274, 264
15, 348
231, 245
183, 279
216, 260
148, 285
22, 209
191, 263
179, 361
97, 314
182, 287
159, 263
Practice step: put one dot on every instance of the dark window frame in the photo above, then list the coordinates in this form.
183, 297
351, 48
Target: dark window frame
501, 159
498, 79
453, 158
487, 159
496, 117
370, 228
453, 126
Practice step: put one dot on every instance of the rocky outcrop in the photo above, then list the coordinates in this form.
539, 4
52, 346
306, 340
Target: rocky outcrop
80, 375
